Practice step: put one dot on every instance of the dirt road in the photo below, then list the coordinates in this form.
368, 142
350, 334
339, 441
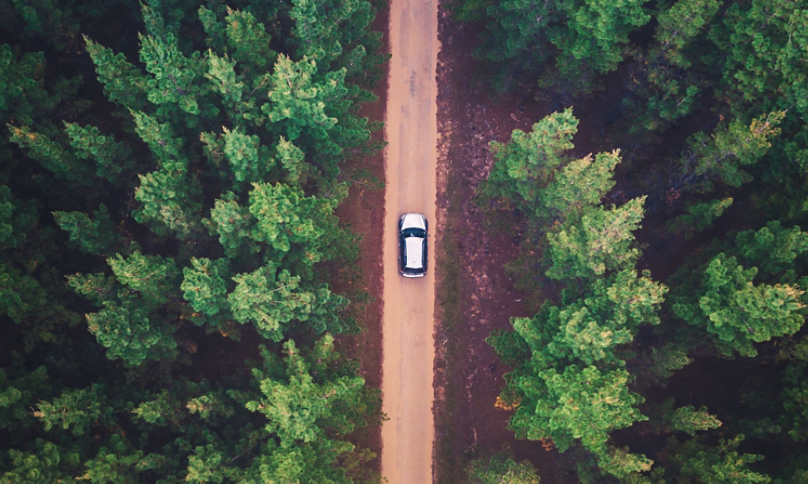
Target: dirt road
408, 349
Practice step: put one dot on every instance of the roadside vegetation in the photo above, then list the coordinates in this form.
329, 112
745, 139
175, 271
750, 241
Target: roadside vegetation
170, 174
673, 253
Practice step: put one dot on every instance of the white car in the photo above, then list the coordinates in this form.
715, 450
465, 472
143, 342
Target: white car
412, 254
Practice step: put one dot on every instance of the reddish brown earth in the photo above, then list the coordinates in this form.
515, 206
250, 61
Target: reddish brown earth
363, 212
468, 372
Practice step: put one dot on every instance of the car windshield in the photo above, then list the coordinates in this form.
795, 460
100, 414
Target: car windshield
413, 232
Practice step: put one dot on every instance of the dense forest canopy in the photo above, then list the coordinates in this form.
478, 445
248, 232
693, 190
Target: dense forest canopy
671, 258
170, 174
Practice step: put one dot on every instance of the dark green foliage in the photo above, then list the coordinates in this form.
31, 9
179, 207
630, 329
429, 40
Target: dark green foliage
795, 403
698, 217
197, 209
664, 90
572, 41
95, 235
763, 41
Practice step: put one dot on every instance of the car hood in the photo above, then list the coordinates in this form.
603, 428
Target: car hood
413, 220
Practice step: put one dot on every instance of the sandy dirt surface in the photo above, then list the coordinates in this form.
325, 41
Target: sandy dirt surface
408, 322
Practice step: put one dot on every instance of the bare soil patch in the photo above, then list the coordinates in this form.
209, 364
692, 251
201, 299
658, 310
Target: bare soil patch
475, 296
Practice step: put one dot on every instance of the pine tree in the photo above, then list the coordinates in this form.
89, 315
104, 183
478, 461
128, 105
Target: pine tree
698, 217
272, 299
96, 235
720, 156
77, 410
600, 243
577, 404
735, 312
524, 166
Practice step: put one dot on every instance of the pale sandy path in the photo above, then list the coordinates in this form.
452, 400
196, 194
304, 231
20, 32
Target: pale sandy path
408, 352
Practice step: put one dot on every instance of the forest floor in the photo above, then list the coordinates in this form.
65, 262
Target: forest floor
475, 295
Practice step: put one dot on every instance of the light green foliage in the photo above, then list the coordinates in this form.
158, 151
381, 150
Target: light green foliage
249, 161
297, 408
621, 463
130, 332
221, 72
243, 38
173, 74
77, 410
123, 83
96, 235
524, 166
272, 298
722, 464
152, 276
311, 401
501, 469
299, 101
167, 149
735, 311
284, 216
600, 243
698, 217
205, 465
590, 329
210, 406
579, 185
188, 138
131, 323
720, 156
773, 248
165, 409
205, 285
118, 463
689, 420
577, 404
291, 158
233, 224
168, 201
168, 196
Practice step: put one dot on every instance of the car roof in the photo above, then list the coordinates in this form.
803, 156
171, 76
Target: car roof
415, 248
413, 220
